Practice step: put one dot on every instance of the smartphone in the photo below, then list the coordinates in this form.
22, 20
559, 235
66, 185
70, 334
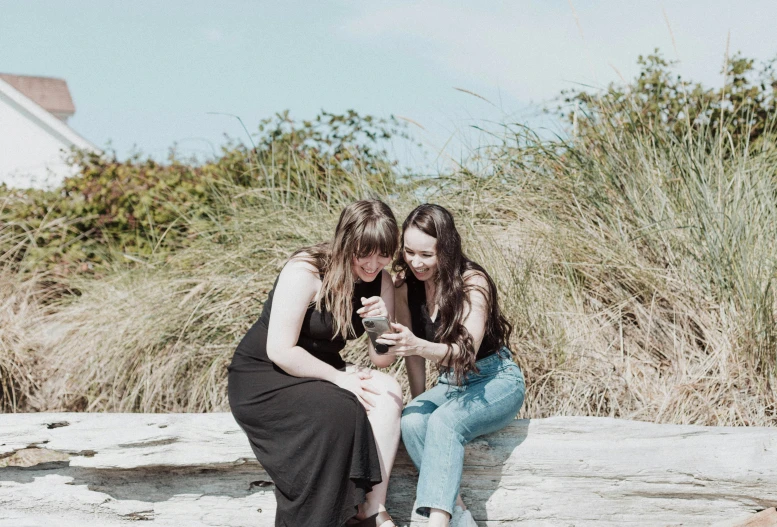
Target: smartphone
375, 327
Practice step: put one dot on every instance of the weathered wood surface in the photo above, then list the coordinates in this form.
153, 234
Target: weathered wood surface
198, 470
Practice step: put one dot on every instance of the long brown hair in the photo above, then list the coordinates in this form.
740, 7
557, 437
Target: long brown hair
451, 292
365, 227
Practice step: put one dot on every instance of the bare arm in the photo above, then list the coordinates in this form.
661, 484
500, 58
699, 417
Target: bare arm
415, 364
296, 288
408, 344
387, 296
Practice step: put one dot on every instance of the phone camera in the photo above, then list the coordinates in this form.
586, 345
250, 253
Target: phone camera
369, 324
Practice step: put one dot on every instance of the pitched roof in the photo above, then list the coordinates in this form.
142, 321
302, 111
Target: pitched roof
49, 93
47, 121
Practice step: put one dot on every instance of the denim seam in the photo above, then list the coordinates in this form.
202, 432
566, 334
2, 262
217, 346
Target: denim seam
505, 368
480, 407
502, 367
462, 441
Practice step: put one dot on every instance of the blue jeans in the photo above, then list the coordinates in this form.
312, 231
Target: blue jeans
438, 423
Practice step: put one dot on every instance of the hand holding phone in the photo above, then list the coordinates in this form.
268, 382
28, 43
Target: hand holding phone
375, 327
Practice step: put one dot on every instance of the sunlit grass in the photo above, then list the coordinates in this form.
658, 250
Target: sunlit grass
636, 267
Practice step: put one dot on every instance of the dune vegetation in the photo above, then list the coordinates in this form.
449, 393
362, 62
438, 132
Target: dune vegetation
634, 255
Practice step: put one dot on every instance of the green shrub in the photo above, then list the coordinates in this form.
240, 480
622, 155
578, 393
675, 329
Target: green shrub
743, 110
634, 260
141, 209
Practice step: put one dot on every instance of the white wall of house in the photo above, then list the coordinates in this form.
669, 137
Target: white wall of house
29, 157
33, 143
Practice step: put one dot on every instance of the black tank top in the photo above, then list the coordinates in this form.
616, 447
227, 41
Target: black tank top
426, 328
317, 334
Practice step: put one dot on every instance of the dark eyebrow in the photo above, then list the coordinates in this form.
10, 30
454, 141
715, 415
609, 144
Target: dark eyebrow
414, 251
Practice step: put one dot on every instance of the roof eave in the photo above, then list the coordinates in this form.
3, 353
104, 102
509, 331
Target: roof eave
48, 121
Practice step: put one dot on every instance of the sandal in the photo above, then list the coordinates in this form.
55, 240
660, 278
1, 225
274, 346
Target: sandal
376, 520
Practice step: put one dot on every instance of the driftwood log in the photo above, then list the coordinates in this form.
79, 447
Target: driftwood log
198, 470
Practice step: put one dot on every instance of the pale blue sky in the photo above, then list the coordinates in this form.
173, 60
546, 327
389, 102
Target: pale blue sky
147, 73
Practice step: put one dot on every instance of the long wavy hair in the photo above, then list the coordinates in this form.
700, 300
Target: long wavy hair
451, 292
365, 227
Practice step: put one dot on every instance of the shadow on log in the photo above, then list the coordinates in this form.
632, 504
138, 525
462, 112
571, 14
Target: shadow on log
197, 469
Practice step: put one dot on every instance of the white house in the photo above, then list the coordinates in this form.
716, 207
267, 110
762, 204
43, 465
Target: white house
34, 135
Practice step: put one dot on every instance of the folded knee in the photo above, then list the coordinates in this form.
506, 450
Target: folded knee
413, 424
386, 382
390, 391
445, 423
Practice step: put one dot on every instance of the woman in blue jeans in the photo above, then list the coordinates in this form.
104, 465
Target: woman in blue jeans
448, 313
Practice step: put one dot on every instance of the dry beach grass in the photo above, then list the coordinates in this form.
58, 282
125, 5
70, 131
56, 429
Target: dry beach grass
637, 270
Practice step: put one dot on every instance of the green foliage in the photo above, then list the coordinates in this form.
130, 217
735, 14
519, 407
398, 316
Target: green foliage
142, 208
331, 156
743, 109
634, 258
134, 207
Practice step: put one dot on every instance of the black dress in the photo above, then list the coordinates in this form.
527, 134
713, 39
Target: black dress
311, 436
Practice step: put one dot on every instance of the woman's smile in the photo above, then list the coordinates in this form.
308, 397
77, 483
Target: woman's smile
420, 271
368, 267
420, 253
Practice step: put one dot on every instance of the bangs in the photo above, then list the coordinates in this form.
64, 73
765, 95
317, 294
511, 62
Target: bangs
380, 237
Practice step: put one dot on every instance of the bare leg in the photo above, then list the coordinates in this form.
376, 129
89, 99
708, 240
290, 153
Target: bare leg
384, 418
438, 518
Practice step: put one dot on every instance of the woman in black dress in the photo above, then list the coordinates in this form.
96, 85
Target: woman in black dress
325, 431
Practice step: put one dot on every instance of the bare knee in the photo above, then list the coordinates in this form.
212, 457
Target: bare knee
390, 390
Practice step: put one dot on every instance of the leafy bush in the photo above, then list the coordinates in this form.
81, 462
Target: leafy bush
743, 110
140, 207
634, 260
